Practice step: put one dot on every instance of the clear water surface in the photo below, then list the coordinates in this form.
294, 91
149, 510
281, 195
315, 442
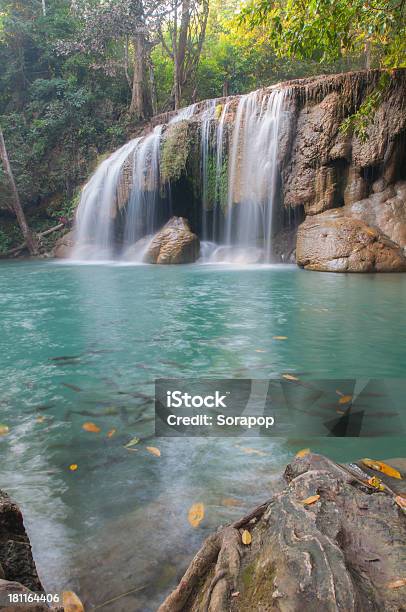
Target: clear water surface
84, 344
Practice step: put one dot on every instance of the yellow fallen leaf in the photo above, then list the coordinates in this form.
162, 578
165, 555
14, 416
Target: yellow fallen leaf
252, 451
230, 502
380, 466
396, 584
4, 430
280, 337
345, 399
40, 419
154, 451
289, 377
401, 501
303, 452
196, 514
73, 467
310, 500
376, 483
111, 433
246, 537
92, 427
71, 602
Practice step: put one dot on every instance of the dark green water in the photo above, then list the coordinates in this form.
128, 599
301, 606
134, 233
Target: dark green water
120, 521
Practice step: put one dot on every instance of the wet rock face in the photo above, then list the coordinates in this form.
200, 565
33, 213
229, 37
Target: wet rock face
327, 541
175, 243
18, 573
335, 242
64, 246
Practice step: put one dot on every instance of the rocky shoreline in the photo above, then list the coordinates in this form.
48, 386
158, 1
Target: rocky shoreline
331, 537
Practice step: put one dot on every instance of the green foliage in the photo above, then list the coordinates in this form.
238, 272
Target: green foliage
174, 151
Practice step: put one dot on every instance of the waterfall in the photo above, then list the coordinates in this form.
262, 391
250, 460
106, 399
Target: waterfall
253, 171
124, 201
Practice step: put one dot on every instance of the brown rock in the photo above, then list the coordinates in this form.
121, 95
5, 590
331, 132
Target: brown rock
334, 242
15, 549
8, 588
175, 243
341, 551
64, 246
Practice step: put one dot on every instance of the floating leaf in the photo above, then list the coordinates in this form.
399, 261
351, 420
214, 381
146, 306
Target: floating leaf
246, 537
71, 602
380, 466
401, 501
92, 427
111, 433
289, 377
310, 500
280, 337
397, 584
132, 442
252, 451
303, 452
196, 514
73, 467
230, 502
154, 451
345, 399
4, 430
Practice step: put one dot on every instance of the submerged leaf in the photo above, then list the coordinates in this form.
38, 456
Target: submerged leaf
345, 399
132, 442
280, 337
4, 430
196, 514
111, 433
73, 467
92, 427
289, 377
154, 451
246, 537
252, 451
303, 452
71, 602
230, 502
310, 500
380, 466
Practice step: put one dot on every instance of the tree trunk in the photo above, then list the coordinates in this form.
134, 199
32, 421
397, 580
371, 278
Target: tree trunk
28, 236
141, 104
44, 8
181, 52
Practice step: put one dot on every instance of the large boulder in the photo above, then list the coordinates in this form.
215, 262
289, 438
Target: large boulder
332, 539
64, 246
335, 242
175, 243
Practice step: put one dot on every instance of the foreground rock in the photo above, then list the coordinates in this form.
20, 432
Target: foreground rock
327, 541
175, 243
335, 242
18, 573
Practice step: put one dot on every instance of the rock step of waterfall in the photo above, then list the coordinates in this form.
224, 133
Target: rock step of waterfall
126, 201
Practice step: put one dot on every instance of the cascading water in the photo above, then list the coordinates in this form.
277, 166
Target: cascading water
122, 202
253, 171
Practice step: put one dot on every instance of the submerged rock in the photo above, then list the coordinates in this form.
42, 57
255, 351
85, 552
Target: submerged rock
18, 573
329, 540
175, 243
335, 242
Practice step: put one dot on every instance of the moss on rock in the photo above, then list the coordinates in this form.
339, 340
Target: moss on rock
175, 149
